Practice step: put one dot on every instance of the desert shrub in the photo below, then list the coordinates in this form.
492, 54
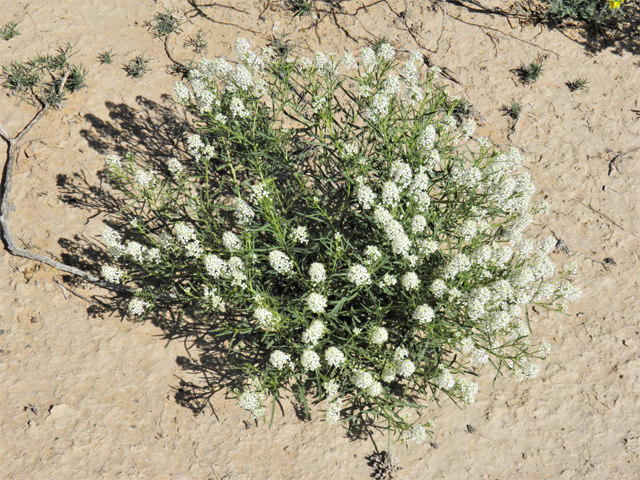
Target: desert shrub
594, 13
339, 227
41, 77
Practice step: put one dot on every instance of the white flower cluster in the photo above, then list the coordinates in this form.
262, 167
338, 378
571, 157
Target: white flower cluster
300, 235
244, 213
113, 241
366, 196
400, 242
334, 357
444, 380
350, 150
390, 194
112, 274
145, 180
373, 254
215, 266
401, 365
379, 335
238, 109
418, 224
112, 163
212, 298
259, 191
527, 371
458, 264
316, 302
175, 167
361, 379
465, 389
333, 410
264, 317
280, 262
410, 281
310, 360
280, 359
359, 275
416, 434
251, 401
465, 177
387, 281
314, 333
423, 314
231, 241
317, 273
137, 307
187, 237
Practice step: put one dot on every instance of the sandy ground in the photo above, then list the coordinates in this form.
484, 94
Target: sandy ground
85, 394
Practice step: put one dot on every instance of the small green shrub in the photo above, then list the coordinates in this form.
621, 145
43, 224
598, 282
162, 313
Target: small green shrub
594, 13
137, 67
341, 235
199, 42
529, 73
578, 84
106, 57
41, 76
164, 24
513, 109
9, 30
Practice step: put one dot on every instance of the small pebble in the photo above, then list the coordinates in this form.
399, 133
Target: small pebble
471, 429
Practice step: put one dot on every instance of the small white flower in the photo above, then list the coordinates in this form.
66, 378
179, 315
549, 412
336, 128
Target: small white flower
231, 241
137, 307
264, 317
244, 213
405, 368
175, 167
331, 387
387, 281
112, 274
333, 410
423, 314
280, 262
439, 288
316, 302
334, 357
300, 235
146, 180
280, 359
418, 224
374, 389
359, 275
310, 360
314, 333
215, 266
373, 254
410, 281
379, 335
361, 379
112, 163
317, 273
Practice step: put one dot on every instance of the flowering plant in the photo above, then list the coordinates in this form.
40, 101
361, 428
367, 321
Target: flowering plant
338, 221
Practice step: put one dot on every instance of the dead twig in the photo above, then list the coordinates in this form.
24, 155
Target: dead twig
602, 215
618, 158
504, 33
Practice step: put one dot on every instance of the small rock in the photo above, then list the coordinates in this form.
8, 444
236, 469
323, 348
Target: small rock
247, 424
471, 429
610, 262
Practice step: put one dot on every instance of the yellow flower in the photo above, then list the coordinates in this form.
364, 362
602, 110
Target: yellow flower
613, 4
